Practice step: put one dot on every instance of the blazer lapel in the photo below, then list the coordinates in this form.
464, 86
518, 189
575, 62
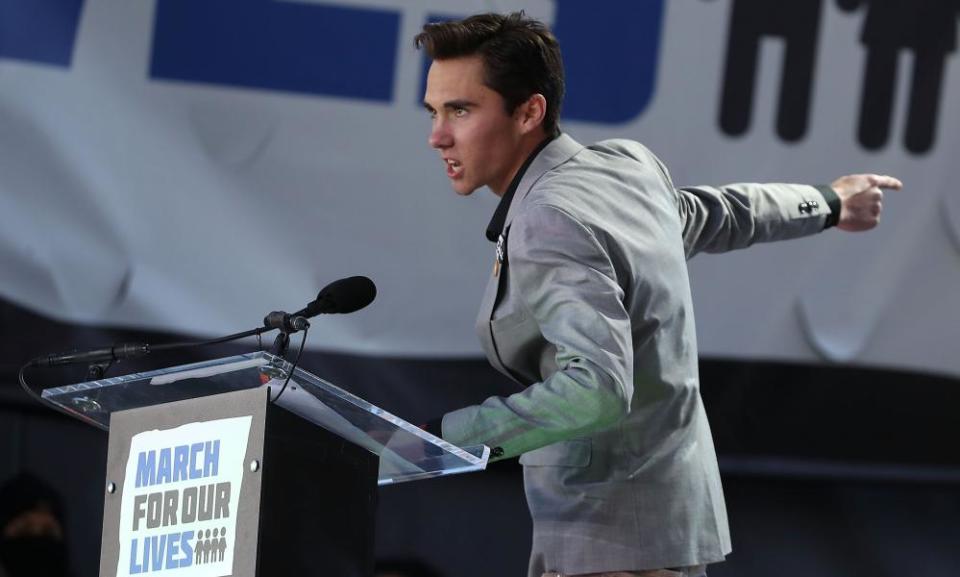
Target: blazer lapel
553, 155
562, 149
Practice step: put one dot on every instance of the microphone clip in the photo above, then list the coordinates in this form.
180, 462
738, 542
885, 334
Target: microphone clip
98, 369
285, 322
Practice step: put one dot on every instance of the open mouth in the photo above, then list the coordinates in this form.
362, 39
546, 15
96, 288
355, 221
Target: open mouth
454, 168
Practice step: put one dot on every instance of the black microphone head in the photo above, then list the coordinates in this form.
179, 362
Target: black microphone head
343, 296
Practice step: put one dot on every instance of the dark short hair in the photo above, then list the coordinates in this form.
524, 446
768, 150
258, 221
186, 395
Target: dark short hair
521, 57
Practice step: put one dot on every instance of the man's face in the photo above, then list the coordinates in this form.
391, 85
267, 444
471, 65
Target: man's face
480, 143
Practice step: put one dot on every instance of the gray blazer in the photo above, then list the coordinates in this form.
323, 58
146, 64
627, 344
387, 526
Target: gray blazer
591, 313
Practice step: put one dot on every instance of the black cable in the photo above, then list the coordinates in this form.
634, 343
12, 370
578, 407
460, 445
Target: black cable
33, 395
296, 361
115, 353
26, 388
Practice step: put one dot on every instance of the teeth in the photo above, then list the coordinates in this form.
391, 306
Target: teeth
453, 163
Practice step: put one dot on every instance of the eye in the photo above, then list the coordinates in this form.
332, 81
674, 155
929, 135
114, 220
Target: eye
460, 112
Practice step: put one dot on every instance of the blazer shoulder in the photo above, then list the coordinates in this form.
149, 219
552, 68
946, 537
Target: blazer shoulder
624, 147
591, 183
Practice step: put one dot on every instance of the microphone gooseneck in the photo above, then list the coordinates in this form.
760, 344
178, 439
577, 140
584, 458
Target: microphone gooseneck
114, 353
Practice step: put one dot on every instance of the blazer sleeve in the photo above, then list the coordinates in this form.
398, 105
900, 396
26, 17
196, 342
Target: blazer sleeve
720, 219
724, 218
569, 288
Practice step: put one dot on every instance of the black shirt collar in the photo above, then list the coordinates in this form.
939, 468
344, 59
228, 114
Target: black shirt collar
495, 228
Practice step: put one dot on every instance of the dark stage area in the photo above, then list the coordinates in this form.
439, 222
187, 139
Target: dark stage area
827, 471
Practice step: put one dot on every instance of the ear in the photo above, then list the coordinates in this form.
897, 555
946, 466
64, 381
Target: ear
531, 113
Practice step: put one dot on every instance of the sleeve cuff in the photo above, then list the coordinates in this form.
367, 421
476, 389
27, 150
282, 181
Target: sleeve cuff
434, 427
833, 201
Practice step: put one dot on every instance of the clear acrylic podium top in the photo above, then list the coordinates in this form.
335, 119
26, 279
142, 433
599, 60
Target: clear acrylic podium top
406, 452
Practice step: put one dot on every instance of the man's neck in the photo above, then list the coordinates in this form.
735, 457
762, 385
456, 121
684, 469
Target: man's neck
530, 143
495, 228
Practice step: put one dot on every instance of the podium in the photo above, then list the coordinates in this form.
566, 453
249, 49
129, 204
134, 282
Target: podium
216, 469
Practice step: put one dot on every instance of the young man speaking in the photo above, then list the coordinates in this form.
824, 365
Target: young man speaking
588, 305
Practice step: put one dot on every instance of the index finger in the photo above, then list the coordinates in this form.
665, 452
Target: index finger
884, 181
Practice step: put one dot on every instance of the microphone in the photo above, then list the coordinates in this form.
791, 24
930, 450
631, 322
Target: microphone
342, 296
114, 353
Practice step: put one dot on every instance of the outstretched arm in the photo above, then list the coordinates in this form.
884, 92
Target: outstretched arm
735, 216
719, 219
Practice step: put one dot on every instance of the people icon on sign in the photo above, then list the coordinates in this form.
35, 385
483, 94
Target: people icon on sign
928, 28
797, 22
221, 546
210, 547
206, 546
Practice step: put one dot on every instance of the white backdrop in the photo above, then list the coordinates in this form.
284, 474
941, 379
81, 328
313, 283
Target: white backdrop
137, 201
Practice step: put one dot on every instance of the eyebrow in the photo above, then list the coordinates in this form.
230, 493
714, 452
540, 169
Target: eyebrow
452, 104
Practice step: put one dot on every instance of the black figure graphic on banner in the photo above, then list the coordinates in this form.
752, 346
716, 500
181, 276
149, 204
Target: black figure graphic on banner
798, 23
929, 29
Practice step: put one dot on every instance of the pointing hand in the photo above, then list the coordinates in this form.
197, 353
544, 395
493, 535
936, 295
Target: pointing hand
861, 199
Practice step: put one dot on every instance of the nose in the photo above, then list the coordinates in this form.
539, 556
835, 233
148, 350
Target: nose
440, 136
